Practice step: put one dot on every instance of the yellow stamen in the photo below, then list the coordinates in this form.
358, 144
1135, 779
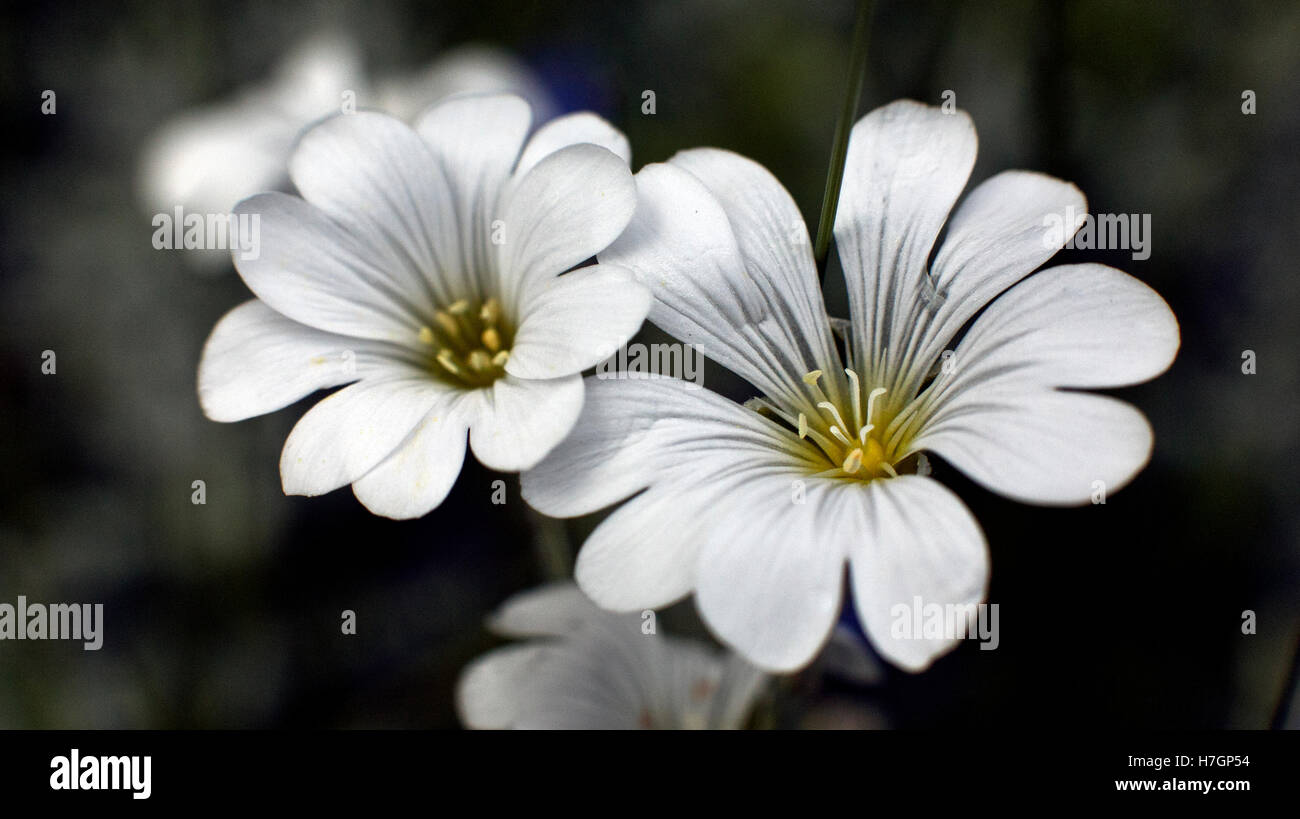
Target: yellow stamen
447, 324
803, 426
835, 413
500, 358
853, 461
857, 398
426, 335
448, 360
491, 339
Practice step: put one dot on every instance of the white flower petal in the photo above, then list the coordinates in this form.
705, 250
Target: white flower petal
468, 69
914, 539
905, 167
633, 433
206, 161
491, 689
996, 237
478, 139
257, 361
644, 555
572, 129
417, 476
576, 321
1080, 326
569, 207
349, 432
773, 239
771, 570
316, 272
517, 421
553, 610
373, 174
680, 244
999, 416
1042, 446
594, 683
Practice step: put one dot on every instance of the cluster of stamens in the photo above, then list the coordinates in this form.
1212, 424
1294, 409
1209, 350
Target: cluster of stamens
468, 346
850, 446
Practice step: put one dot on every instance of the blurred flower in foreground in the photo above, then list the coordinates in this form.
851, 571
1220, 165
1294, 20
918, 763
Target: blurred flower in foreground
424, 265
207, 159
588, 668
756, 508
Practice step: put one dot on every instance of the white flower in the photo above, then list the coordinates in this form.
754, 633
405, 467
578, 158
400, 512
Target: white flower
207, 159
388, 273
757, 508
588, 668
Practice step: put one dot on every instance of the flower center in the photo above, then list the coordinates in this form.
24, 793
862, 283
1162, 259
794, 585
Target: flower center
847, 441
468, 343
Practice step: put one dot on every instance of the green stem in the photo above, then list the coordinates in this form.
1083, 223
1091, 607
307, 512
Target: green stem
840, 148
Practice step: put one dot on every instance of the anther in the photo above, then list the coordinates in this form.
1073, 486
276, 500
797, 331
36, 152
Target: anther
448, 360
853, 462
426, 335
447, 324
491, 339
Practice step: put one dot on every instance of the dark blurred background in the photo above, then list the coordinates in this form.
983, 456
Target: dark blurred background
227, 614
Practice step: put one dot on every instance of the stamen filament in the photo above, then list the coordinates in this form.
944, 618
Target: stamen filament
841, 437
857, 397
835, 414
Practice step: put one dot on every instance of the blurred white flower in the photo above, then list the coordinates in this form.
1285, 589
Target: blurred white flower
756, 508
582, 667
208, 158
424, 265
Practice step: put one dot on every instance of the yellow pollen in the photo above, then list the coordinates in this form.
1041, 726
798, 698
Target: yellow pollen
447, 324
448, 360
853, 461
471, 341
